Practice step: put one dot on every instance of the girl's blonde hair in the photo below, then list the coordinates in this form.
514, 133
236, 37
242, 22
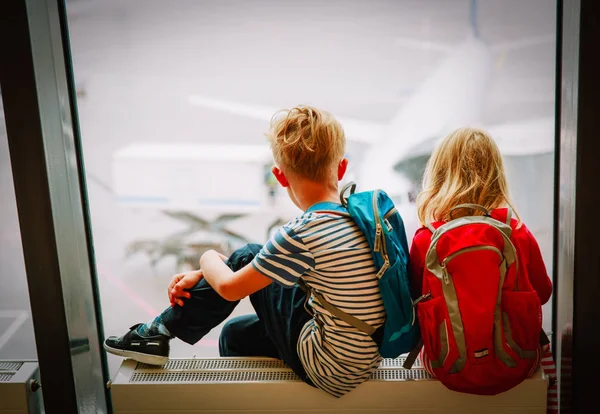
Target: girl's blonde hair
307, 141
466, 167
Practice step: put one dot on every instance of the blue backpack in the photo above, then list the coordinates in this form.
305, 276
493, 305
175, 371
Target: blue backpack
376, 216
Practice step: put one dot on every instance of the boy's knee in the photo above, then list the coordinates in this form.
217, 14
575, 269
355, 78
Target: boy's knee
244, 255
254, 248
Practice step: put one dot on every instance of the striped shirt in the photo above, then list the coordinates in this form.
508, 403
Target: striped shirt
330, 253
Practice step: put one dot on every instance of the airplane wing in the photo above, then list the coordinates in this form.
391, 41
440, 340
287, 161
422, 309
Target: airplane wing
523, 43
356, 130
224, 179
260, 112
534, 136
519, 138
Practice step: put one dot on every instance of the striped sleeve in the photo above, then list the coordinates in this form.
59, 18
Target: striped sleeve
284, 258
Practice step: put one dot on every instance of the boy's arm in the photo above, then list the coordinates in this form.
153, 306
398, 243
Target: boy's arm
230, 285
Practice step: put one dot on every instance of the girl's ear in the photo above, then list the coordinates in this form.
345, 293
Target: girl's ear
342, 167
280, 177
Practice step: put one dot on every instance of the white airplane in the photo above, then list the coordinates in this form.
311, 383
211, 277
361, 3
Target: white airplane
450, 97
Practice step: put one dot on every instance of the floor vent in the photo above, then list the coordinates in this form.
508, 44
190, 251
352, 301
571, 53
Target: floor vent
400, 374
10, 366
17, 393
5, 377
216, 364
252, 370
398, 362
221, 377
267, 386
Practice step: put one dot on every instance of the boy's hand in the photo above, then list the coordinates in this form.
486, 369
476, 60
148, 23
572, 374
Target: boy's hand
179, 284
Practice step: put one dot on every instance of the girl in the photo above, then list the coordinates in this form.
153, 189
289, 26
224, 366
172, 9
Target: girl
467, 168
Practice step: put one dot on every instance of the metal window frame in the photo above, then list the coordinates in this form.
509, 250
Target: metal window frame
577, 247
45, 149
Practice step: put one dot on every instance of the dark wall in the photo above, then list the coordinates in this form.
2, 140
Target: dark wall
578, 247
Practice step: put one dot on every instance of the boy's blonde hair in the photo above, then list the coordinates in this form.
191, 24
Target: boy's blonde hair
466, 167
307, 141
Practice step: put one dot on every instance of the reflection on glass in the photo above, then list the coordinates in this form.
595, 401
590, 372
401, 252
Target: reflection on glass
17, 341
174, 102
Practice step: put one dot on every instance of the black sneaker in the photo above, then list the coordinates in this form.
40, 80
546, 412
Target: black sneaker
153, 350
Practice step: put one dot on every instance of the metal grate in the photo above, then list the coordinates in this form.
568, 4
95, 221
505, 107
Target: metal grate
10, 366
247, 364
216, 364
400, 374
216, 376
252, 370
4, 377
398, 362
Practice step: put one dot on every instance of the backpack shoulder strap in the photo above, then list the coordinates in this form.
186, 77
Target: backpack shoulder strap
349, 319
484, 210
340, 314
413, 355
349, 186
509, 214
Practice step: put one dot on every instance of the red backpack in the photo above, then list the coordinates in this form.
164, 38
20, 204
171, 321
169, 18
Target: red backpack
480, 324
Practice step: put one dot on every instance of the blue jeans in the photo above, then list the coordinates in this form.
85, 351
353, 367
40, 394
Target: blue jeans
272, 332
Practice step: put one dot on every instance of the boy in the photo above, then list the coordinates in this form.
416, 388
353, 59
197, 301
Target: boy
323, 247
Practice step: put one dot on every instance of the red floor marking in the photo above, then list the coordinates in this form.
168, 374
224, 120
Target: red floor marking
135, 298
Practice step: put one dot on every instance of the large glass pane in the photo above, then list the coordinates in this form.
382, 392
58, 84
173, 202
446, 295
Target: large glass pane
17, 341
174, 101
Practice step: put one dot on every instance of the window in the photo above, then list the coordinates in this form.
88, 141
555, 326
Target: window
17, 341
174, 101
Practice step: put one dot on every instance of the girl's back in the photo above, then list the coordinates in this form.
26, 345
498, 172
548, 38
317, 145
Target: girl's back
481, 280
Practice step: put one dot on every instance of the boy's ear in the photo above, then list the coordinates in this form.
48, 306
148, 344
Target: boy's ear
280, 177
342, 167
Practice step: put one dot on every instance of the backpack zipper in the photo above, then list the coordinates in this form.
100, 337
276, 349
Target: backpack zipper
393, 210
389, 213
377, 245
378, 228
465, 250
380, 237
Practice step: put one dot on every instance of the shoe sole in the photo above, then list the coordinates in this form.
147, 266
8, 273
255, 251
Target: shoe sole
138, 356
